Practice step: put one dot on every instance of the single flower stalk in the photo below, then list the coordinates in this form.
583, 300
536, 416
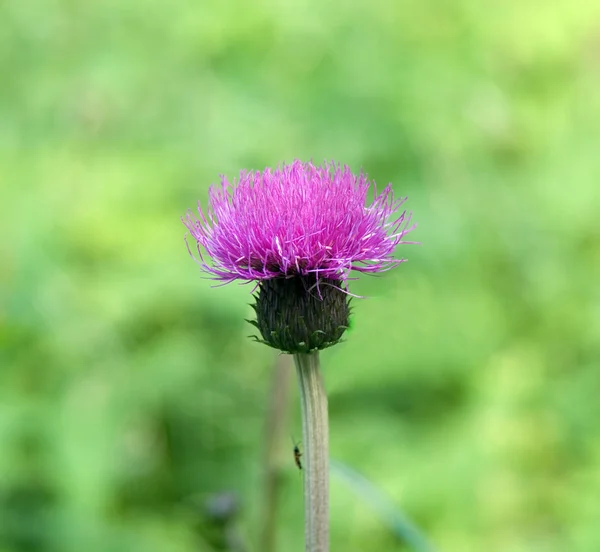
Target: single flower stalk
298, 232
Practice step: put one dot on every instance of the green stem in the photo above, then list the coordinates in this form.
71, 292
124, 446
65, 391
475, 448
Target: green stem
315, 435
275, 425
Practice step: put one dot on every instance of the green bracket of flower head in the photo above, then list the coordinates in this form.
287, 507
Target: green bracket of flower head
350, 324
283, 341
292, 317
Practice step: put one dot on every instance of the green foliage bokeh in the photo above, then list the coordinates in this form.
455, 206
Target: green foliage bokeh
468, 388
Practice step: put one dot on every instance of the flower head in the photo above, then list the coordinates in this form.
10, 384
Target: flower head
299, 222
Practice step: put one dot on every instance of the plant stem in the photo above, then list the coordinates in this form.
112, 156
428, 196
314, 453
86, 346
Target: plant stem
275, 424
315, 435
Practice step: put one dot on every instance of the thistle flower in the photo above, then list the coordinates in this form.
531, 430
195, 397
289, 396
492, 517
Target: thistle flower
298, 231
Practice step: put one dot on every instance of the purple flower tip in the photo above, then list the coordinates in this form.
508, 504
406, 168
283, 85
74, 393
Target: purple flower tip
298, 220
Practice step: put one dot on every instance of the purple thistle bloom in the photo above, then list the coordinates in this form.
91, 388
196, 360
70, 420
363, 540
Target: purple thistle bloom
298, 220
298, 231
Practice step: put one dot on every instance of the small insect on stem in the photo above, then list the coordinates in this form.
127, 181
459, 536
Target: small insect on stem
297, 455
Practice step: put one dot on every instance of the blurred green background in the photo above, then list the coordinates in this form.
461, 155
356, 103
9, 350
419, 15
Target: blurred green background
468, 391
